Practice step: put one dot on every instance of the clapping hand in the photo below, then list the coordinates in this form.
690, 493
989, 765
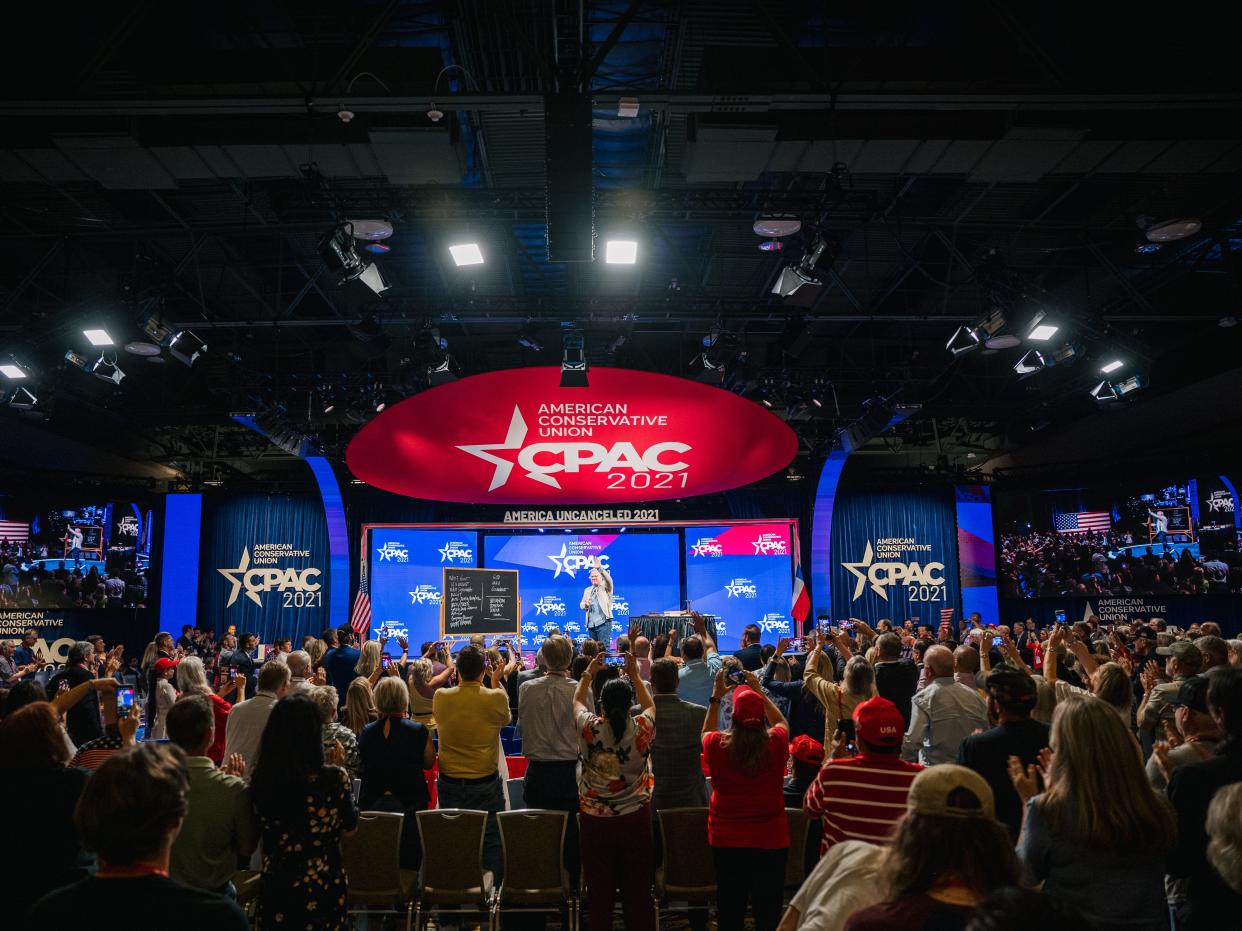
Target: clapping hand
753, 681
781, 646
1025, 779
235, 765
721, 685
336, 754
1172, 735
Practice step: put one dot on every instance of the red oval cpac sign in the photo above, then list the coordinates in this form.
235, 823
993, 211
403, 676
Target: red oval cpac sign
517, 437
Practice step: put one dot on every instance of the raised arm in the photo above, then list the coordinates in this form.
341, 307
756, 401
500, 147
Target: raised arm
700, 628
720, 688
583, 692
1084, 656
1050, 656
773, 713
640, 687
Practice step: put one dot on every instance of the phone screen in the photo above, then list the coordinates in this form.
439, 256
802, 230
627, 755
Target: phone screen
614, 659
232, 673
997, 641
385, 660
1059, 614
738, 676
124, 701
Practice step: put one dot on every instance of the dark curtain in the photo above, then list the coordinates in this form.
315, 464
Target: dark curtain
234, 524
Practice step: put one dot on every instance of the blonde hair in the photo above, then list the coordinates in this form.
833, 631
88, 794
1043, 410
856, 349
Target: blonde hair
191, 677
391, 696
1224, 828
1109, 807
421, 672
359, 705
368, 659
327, 699
315, 649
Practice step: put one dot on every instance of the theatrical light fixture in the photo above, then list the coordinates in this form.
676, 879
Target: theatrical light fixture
962, 341
441, 373
1039, 331
158, 331
1115, 391
771, 245
98, 337
1030, 363
185, 347
12, 370
574, 362
106, 369
468, 253
620, 252
1110, 367
529, 342
1173, 230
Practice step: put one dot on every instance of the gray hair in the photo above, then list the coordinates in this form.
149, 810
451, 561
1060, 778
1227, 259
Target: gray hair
79, 652
859, 677
327, 699
298, 662
191, 677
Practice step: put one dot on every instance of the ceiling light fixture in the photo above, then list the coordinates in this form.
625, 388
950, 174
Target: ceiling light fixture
620, 252
574, 362
185, 347
1039, 331
1110, 367
106, 369
12, 370
23, 400
1173, 230
98, 337
467, 253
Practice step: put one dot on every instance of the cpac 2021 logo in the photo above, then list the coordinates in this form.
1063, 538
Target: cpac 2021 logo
569, 563
549, 606
882, 576
393, 552
258, 581
542, 462
456, 552
425, 595
707, 546
620, 606
770, 544
741, 588
128, 526
774, 624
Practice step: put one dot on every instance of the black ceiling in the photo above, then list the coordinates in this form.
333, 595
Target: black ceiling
183, 160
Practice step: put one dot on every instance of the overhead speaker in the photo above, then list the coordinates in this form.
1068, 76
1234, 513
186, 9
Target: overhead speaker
569, 186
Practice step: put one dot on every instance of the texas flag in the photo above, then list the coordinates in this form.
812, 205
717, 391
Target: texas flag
801, 600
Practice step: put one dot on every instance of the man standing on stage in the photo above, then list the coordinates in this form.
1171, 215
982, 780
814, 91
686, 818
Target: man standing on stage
73, 544
597, 603
1159, 524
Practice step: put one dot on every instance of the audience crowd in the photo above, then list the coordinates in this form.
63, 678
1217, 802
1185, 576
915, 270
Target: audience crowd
1085, 776
31, 579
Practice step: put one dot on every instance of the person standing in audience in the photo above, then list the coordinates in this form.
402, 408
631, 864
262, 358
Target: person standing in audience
192, 680
248, 719
1196, 734
469, 717
1011, 699
422, 683
1183, 660
162, 698
219, 825
948, 854
341, 660
807, 758
943, 714
129, 815
34, 755
299, 663
160, 648
751, 653
838, 700
1192, 788
614, 791
862, 796
700, 663
242, 660
82, 722
678, 743
895, 678
746, 824
1097, 837
333, 731
394, 751
305, 807
801, 708
360, 705
549, 741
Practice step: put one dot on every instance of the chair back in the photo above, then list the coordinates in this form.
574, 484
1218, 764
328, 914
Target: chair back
515, 792
533, 841
372, 854
688, 863
795, 864
452, 849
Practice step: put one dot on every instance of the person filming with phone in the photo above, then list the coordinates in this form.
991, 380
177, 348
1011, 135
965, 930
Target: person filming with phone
597, 603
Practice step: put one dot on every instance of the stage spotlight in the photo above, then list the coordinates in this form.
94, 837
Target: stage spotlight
374, 279
994, 331
793, 279
468, 253
159, 333
12, 370
106, 369
620, 252
337, 250
185, 347
1030, 363
23, 400
1039, 331
962, 341
1111, 367
574, 362
441, 373
1115, 391
529, 342
98, 337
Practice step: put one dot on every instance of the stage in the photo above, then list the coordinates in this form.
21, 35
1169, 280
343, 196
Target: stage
1141, 549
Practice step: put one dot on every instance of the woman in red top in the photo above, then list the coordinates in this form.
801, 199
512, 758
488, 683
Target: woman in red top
192, 680
746, 824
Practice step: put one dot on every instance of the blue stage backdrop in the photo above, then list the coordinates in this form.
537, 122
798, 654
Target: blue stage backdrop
894, 555
553, 572
265, 566
407, 570
976, 550
742, 575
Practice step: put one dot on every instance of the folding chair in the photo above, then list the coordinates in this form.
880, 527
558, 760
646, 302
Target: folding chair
453, 874
246, 882
372, 858
533, 840
688, 872
795, 865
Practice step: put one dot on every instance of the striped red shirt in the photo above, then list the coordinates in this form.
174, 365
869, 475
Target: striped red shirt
860, 798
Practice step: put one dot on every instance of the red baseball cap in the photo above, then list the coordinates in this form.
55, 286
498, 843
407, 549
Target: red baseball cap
879, 723
807, 749
748, 707
163, 664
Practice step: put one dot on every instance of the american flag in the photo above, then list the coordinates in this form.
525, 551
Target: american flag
801, 600
946, 615
1082, 522
15, 531
360, 620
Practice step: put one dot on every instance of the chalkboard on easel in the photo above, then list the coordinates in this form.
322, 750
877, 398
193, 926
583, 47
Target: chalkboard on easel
479, 601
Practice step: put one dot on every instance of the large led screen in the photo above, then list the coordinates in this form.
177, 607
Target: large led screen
407, 569
742, 574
